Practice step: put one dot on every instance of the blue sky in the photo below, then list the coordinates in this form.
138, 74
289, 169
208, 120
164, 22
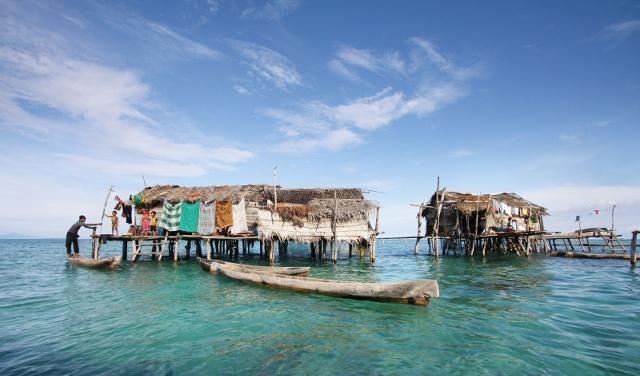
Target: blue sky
538, 98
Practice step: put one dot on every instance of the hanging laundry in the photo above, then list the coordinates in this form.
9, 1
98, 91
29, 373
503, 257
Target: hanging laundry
239, 218
127, 213
525, 212
170, 219
515, 211
207, 218
189, 213
224, 214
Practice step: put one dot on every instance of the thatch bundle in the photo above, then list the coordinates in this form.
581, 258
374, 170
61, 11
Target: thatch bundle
154, 196
468, 203
345, 210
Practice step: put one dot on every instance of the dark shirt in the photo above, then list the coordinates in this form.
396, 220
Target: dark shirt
76, 227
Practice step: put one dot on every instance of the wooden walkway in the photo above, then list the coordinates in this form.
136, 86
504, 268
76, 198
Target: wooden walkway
586, 241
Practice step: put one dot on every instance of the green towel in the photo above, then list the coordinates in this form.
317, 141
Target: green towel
170, 218
189, 214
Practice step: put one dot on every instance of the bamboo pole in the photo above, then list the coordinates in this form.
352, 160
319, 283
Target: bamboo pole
334, 250
375, 236
437, 224
417, 246
632, 250
106, 200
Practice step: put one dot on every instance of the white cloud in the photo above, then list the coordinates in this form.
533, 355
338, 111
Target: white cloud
460, 153
241, 90
268, 65
169, 39
423, 54
621, 30
339, 68
332, 140
565, 202
379, 185
426, 51
581, 198
603, 123
73, 102
271, 9
571, 138
319, 119
364, 59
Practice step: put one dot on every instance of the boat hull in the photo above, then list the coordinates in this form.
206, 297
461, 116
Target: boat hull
206, 265
108, 263
413, 292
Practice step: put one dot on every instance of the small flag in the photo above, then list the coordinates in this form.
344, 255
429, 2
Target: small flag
597, 211
577, 218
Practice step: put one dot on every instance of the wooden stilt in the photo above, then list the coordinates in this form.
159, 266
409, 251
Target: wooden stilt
632, 250
417, 246
372, 254
124, 250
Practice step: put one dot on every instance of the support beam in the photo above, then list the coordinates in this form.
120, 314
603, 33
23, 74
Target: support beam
124, 250
417, 246
632, 250
372, 254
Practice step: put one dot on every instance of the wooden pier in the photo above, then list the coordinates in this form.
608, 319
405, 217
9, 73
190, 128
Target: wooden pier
522, 243
161, 247
588, 243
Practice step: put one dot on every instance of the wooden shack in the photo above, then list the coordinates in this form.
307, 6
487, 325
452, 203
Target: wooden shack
502, 222
326, 219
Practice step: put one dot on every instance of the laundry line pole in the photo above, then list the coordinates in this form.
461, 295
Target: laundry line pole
275, 189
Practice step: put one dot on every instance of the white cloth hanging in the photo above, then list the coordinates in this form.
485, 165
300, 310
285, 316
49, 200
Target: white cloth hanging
239, 218
207, 218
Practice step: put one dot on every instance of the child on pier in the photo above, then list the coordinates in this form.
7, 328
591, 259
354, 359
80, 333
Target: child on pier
114, 222
153, 223
146, 223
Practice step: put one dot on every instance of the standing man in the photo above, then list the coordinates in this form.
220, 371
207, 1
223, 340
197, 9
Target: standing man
72, 235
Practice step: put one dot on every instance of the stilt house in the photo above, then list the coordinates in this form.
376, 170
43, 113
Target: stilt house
469, 214
299, 215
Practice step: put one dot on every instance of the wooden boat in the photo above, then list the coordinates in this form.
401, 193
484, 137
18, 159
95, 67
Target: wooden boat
287, 270
412, 292
611, 256
107, 263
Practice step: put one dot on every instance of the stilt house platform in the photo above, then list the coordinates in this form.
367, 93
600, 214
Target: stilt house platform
327, 221
467, 224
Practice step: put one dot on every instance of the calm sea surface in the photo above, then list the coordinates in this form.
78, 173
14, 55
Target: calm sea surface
496, 316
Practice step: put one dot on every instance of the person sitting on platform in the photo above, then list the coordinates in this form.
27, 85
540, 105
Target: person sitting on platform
114, 222
72, 235
509, 225
132, 231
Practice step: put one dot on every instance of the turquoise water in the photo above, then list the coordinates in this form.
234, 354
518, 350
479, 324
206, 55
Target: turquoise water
496, 316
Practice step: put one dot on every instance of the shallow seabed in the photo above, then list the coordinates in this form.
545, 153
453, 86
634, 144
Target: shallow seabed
506, 315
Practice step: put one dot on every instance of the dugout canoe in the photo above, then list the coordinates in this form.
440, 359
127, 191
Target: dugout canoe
107, 263
412, 292
585, 255
286, 270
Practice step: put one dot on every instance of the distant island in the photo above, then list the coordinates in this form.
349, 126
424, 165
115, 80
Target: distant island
15, 235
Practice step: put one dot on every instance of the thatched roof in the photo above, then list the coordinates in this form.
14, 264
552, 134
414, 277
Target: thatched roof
467, 203
293, 204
